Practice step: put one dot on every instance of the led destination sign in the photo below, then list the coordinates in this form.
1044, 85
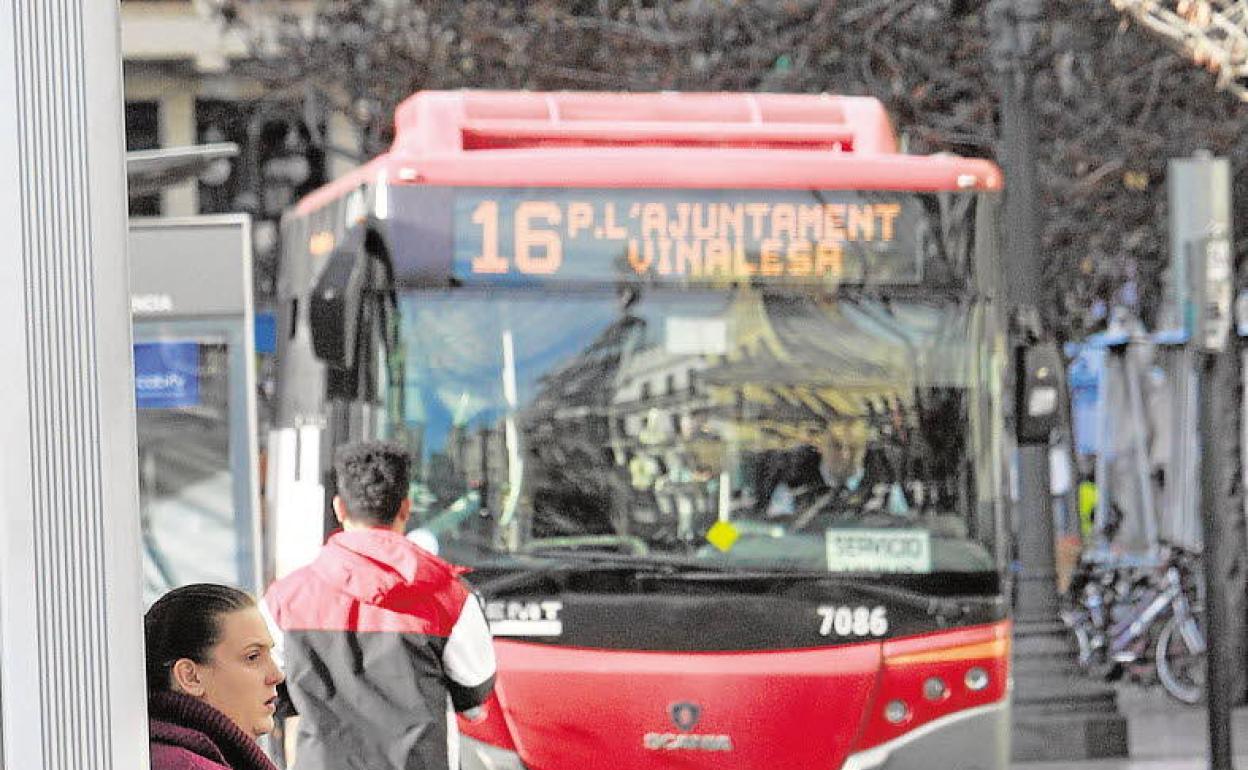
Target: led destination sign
526, 235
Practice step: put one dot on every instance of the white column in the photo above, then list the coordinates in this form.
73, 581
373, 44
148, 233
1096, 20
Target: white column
344, 135
177, 129
71, 645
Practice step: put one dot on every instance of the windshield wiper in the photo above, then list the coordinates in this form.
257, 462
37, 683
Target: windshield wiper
552, 562
934, 606
679, 568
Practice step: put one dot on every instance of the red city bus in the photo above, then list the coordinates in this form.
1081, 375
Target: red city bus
706, 389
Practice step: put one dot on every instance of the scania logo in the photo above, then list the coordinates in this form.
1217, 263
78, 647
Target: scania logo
685, 714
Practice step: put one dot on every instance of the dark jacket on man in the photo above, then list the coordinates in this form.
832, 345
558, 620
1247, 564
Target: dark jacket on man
378, 638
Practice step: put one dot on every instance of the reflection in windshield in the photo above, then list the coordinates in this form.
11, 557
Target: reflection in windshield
733, 425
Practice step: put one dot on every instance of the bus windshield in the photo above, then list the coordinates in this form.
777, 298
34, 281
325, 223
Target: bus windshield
740, 427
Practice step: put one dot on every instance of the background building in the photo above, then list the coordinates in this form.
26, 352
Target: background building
188, 81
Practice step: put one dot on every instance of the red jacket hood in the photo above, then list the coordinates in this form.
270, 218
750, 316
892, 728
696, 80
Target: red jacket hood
382, 568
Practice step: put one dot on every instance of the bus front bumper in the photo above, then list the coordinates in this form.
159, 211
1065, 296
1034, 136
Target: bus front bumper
975, 739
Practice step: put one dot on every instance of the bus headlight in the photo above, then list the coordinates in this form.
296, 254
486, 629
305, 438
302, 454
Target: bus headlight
896, 712
934, 689
976, 679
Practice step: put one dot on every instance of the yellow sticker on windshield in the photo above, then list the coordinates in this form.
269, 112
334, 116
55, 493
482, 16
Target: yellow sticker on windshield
723, 535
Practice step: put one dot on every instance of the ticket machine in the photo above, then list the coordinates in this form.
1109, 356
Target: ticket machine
194, 378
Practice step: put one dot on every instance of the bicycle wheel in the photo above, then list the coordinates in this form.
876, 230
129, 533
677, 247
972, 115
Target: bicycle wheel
1181, 662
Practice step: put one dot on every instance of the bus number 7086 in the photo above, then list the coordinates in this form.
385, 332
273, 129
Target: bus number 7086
853, 621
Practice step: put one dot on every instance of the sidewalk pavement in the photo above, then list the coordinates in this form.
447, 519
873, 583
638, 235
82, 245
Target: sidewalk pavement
1162, 735
1173, 763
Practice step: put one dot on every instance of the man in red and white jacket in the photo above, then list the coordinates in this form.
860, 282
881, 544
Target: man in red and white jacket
381, 641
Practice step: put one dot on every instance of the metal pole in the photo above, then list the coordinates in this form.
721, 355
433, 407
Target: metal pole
1058, 714
1037, 592
1199, 191
1218, 695
1019, 24
1016, 25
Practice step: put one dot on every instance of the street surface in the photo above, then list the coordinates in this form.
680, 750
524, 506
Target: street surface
1163, 735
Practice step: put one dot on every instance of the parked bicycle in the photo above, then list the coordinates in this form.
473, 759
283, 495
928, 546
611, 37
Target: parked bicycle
1129, 614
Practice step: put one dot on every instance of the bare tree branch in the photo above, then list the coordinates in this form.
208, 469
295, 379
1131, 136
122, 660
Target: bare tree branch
1114, 104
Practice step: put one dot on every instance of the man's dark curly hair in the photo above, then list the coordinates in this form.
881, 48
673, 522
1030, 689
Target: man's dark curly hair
372, 480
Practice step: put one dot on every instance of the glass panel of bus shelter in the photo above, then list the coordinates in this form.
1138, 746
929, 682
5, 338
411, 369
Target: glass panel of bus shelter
186, 493
736, 426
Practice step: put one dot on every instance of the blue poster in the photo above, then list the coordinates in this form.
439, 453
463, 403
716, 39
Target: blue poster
166, 374
266, 332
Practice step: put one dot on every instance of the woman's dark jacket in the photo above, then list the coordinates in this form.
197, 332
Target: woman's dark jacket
188, 734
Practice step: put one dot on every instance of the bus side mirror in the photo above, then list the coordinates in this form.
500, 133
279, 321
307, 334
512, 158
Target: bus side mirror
334, 308
1038, 390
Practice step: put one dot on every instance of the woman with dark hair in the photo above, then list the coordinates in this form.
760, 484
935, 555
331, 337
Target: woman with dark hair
211, 680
